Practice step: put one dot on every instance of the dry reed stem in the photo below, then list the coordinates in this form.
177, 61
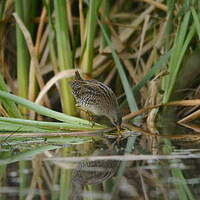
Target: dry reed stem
47, 174
194, 127
110, 76
32, 52
193, 102
44, 49
104, 67
44, 58
32, 187
69, 19
82, 23
37, 165
190, 137
158, 45
144, 188
116, 39
125, 34
156, 4
124, 157
32, 74
131, 70
190, 117
59, 76
134, 45
3, 112
40, 31
122, 25
46, 178
120, 46
144, 30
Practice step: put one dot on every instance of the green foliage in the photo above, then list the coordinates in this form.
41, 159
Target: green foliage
180, 46
64, 53
45, 111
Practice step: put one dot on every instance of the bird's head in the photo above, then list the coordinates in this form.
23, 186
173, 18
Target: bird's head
116, 120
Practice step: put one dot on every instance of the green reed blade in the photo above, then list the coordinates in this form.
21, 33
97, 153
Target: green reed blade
87, 57
27, 154
10, 106
64, 53
196, 20
45, 111
178, 51
2, 7
129, 94
23, 58
58, 126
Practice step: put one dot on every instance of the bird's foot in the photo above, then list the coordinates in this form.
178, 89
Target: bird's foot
119, 137
91, 119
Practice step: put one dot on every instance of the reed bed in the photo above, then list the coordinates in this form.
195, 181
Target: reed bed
147, 51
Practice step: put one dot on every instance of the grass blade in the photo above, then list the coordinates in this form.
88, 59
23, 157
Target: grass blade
58, 126
129, 94
64, 53
196, 20
45, 111
10, 106
27, 154
87, 58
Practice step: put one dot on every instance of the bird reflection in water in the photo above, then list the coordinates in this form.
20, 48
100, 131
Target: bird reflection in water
93, 172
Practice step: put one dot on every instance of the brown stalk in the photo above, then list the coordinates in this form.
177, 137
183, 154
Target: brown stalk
193, 102
82, 23
32, 52
156, 4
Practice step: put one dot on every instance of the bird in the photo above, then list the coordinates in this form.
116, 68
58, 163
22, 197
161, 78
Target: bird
93, 172
97, 98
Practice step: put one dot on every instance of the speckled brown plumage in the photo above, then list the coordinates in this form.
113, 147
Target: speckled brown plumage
97, 98
93, 172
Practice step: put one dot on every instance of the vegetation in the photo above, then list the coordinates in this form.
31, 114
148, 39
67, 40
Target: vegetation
147, 51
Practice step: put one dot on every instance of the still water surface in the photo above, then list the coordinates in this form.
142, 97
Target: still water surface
157, 168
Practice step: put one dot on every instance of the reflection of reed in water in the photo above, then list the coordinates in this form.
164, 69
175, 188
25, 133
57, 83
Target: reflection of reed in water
92, 172
187, 140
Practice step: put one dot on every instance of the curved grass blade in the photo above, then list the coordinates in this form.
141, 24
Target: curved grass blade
46, 111
12, 128
129, 94
196, 20
10, 106
64, 52
27, 154
51, 126
178, 51
87, 57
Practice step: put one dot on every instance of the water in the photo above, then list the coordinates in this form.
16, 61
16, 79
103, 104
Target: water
36, 168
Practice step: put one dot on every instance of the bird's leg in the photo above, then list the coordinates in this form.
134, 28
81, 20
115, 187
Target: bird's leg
81, 109
119, 137
91, 119
89, 115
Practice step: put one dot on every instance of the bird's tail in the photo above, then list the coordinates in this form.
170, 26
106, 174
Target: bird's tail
77, 76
